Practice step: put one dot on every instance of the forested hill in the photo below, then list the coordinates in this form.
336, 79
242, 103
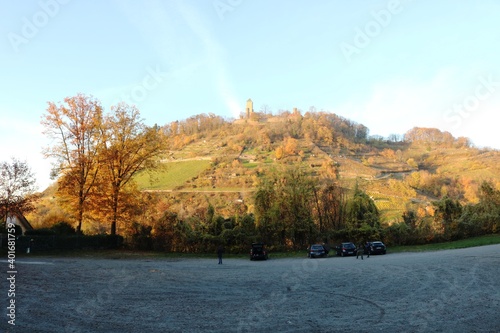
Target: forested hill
221, 162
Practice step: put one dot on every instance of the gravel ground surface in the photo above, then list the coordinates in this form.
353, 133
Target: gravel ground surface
444, 291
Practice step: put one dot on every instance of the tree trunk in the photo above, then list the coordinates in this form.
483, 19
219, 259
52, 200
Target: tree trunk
80, 216
115, 209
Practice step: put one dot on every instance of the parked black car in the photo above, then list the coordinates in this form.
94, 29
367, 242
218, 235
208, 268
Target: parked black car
258, 251
317, 251
346, 249
377, 247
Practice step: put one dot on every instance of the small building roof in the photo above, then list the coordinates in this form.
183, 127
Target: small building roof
19, 219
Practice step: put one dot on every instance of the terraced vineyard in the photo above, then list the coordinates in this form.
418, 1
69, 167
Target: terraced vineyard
209, 168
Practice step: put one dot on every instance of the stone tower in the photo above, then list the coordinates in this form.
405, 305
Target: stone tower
249, 108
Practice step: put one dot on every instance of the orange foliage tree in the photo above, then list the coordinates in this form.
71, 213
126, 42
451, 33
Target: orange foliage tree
74, 128
128, 147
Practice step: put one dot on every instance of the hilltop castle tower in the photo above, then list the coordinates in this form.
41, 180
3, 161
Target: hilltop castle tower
249, 108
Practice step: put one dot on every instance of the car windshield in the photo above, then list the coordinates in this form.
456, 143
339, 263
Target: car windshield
377, 243
316, 247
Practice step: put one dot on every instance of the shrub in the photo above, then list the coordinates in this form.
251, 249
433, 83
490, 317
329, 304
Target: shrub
40, 232
44, 242
63, 228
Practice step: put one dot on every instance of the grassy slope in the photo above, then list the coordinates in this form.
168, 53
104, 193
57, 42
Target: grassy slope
172, 175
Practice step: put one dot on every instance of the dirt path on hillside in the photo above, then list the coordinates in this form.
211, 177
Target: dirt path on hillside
445, 291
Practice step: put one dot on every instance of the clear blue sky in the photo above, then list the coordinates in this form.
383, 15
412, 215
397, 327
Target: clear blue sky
390, 65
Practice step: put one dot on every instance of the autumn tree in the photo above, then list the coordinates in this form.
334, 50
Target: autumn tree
483, 217
74, 128
268, 213
330, 206
128, 147
265, 109
283, 206
289, 146
279, 153
297, 194
430, 136
447, 213
17, 184
410, 219
361, 209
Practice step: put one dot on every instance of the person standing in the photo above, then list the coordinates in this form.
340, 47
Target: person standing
220, 251
367, 249
359, 251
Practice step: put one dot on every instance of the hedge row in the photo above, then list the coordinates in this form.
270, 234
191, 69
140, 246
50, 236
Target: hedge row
64, 242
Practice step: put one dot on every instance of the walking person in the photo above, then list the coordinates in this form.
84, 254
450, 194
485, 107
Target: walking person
367, 249
359, 251
220, 251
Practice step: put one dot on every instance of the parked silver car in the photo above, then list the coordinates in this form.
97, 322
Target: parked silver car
317, 251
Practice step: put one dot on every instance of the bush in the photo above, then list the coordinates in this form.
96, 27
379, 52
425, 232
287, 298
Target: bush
63, 228
40, 232
398, 234
358, 235
44, 242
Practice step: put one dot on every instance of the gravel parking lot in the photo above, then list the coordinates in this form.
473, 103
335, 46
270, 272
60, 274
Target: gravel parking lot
444, 291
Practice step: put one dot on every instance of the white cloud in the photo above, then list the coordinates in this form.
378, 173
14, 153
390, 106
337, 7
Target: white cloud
396, 106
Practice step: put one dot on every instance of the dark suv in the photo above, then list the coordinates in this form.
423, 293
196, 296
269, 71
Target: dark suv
258, 251
346, 249
377, 247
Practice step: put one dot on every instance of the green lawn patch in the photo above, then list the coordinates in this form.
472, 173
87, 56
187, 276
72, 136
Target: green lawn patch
171, 174
459, 244
250, 165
